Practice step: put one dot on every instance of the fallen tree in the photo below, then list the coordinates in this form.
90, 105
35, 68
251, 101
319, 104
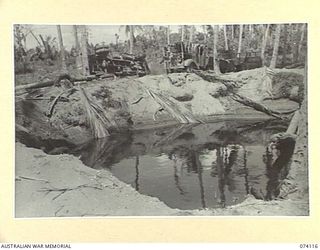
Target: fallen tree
56, 81
230, 84
258, 106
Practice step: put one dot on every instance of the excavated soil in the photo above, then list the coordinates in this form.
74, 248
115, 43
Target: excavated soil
127, 102
60, 185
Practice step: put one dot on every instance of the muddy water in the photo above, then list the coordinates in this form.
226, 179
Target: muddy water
192, 166
189, 166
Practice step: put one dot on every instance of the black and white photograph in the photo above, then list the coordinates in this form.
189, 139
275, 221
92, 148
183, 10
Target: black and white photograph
123, 120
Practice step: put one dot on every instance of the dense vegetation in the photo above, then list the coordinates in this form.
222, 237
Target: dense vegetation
278, 45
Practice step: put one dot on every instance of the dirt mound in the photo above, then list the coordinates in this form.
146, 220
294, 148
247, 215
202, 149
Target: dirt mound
128, 103
286, 83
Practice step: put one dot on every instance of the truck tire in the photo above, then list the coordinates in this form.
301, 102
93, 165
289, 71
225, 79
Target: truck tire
189, 65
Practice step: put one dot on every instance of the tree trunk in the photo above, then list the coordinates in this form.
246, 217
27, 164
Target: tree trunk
182, 39
35, 38
62, 54
301, 41
294, 39
46, 46
215, 51
204, 34
232, 32
84, 51
35, 85
285, 45
168, 34
255, 105
25, 43
191, 34
240, 40
275, 47
225, 37
182, 33
76, 38
131, 39
117, 39
264, 44
77, 46
251, 31
294, 123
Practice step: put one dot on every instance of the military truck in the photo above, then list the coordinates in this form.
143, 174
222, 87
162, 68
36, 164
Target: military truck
104, 60
178, 57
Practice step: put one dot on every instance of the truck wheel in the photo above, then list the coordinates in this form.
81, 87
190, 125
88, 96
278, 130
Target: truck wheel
191, 67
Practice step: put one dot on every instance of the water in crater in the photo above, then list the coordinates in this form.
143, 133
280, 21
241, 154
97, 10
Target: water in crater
193, 166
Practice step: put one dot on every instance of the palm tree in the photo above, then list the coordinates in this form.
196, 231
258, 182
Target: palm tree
129, 30
285, 44
225, 37
205, 29
117, 38
264, 42
240, 40
250, 31
182, 33
77, 46
131, 39
232, 32
216, 67
191, 33
303, 27
275, 47
62, 54
84, 50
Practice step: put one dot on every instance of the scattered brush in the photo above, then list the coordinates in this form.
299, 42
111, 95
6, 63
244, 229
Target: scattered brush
96, 117
172, 108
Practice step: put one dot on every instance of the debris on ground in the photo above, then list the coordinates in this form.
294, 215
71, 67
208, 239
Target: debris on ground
136, 103
127, 102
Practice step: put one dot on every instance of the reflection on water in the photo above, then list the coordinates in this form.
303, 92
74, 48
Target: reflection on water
189, 166
195, 166
277, 166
